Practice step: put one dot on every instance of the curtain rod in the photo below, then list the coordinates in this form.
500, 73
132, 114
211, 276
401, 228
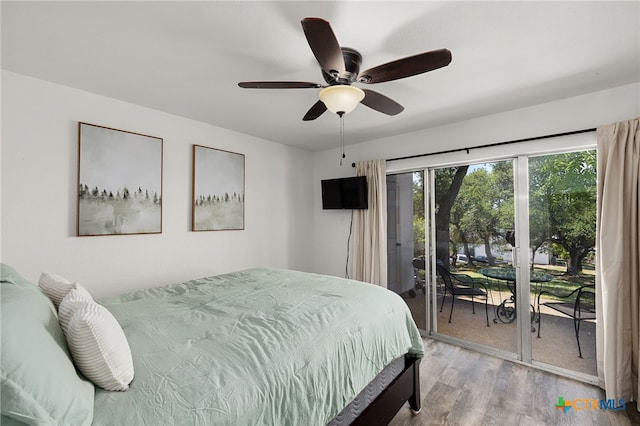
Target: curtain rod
535, 138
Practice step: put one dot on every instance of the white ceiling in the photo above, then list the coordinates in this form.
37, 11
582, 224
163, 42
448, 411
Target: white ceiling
186, 58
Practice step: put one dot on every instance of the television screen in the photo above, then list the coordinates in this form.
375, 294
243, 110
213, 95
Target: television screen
345, 193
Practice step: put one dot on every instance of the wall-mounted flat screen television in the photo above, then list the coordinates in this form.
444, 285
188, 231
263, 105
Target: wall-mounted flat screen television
345, 193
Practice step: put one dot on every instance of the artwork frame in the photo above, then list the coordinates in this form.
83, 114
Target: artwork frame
111, 164
218, 190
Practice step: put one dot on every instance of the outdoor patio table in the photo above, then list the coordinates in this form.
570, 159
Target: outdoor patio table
506, 310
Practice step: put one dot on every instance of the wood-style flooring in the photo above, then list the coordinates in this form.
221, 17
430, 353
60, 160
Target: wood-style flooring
462, 387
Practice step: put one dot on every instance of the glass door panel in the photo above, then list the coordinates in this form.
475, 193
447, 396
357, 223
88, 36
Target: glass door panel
474, 223
562, 231
405, 241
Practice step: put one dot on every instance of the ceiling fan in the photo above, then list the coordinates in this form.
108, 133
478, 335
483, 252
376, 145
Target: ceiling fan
341, 68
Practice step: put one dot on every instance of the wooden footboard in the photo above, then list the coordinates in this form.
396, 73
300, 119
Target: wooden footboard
406, 387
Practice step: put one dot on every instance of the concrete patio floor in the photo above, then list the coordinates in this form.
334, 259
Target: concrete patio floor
557, 343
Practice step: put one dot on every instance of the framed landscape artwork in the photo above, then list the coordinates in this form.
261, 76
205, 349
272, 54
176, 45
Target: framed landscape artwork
218, 189
119, 182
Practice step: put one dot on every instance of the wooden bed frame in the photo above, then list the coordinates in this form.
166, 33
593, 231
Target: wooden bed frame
405, 387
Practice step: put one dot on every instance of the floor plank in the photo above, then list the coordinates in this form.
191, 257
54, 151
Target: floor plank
462, 387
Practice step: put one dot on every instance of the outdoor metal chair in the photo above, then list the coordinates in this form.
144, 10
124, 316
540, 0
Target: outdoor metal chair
418, 264
462, 285
579, 305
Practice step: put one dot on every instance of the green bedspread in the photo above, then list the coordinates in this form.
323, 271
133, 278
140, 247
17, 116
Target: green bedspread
256, 347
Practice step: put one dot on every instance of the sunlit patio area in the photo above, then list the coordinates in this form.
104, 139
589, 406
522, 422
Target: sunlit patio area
556, 346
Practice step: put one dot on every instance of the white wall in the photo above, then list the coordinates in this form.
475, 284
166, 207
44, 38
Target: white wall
285, 224
39, 181
586, 111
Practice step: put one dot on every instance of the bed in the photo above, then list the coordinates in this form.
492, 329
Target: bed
256, 347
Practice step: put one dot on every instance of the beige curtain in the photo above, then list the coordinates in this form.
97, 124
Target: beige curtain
618, 260
370, 227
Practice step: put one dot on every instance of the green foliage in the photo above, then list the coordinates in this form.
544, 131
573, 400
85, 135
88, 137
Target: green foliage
418, 194
563, 197
418, 214
483, 210
447, 185
562, 206
418, 235
475, 210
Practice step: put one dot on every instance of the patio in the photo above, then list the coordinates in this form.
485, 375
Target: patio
556, 345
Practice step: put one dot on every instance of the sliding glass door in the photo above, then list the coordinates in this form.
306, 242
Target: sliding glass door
473, 216
562, 236
499, 255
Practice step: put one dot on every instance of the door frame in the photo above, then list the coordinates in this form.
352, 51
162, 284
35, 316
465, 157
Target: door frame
518, 153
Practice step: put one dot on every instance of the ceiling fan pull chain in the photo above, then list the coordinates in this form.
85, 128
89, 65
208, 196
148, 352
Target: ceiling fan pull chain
342, 155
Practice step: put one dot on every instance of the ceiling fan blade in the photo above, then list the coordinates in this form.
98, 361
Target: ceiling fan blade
381, 103
278, 85
406, 67
315, 111
324, 45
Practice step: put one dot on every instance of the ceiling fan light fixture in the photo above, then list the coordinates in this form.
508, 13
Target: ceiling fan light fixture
341, 99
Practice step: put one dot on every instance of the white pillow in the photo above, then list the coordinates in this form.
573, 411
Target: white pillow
74, 300
99, 347
55, 286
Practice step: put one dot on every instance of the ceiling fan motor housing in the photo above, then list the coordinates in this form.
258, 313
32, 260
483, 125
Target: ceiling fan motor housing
352, 62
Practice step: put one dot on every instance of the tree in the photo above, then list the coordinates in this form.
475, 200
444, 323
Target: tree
483, 210
457, 219
418, 214
503, 202
448, 182
418, 194
539, 230
418, 236
564, 185
476, 202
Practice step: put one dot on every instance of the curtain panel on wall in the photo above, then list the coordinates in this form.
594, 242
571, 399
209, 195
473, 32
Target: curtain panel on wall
618, 260
369, 250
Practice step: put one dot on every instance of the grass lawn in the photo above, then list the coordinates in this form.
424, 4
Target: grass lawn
561, 283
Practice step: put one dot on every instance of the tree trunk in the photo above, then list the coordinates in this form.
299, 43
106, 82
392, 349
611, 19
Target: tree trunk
445, 203
534, 249
487, 249
442, 243
465, 244
574, 263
